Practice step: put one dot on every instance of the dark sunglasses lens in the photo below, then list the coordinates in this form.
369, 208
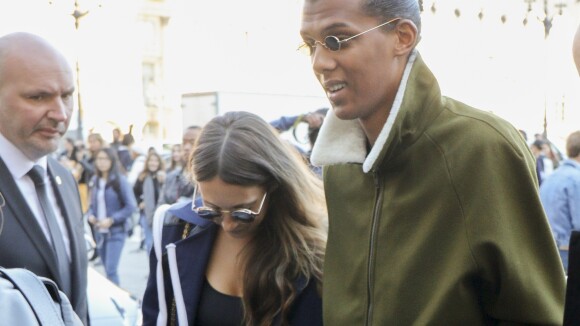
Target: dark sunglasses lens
332, 43
243, 217
207, 214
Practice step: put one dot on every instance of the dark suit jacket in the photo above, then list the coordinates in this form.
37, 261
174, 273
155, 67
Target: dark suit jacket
23, 244
192, 254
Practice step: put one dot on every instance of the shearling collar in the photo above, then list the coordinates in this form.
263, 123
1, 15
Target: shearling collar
344, 141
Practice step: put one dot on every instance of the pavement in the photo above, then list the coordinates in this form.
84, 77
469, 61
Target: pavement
133, 267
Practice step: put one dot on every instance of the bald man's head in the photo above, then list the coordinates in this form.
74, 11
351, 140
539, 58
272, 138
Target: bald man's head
576, 49
36, 88
21, 47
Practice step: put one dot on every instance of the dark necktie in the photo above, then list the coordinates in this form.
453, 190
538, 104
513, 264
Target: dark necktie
37, 176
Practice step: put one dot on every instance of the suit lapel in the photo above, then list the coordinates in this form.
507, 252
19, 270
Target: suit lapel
73, 217
19, 209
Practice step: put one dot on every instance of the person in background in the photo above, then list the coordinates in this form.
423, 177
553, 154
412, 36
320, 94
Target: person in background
176, 160
67, 152
544, 165
524, 134
314, 120
95, 143
146, 190
112, 204
178, 184
76, 163
117, 139
125, 153
253, 245
138, 157
84, 174
42, 217
560, 195
572, 311
434, 211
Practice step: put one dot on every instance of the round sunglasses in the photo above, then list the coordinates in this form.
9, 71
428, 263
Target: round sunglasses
333, 43
242, 215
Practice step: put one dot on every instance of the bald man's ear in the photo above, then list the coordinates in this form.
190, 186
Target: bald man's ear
407, 36
576, 49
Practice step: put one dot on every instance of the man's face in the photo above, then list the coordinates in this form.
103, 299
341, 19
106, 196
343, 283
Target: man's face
189, 138
361, 78
36, 101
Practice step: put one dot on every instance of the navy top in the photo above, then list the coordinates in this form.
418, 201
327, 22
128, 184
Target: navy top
216, 308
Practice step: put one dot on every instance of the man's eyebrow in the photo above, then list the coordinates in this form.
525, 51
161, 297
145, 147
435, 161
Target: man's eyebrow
327, 29
334, 26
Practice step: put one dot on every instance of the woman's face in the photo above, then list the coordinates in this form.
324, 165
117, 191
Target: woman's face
94, 144
153, 163
103, 162
176, 153
225, 197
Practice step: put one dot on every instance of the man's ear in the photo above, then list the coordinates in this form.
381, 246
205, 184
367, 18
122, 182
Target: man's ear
576, 49
407, 36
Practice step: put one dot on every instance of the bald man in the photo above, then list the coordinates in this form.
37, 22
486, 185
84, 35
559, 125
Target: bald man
43, 229
576, 49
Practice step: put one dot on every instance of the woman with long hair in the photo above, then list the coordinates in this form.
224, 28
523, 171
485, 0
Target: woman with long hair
146, 190
176, 158
112, 204
249, 250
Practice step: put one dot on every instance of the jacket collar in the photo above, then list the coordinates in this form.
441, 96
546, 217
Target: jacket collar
417, 103
571, 162
16, 162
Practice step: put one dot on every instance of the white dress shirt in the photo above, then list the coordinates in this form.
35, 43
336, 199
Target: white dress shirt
19, 165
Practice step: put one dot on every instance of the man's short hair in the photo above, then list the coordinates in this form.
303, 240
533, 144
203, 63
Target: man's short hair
539, 144
573, 145
389, 9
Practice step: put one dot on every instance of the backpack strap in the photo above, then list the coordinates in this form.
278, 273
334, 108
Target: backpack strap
37, 295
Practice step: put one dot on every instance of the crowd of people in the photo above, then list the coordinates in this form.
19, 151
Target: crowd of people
120, 186
425, 211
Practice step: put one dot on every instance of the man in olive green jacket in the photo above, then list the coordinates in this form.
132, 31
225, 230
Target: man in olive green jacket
434, 213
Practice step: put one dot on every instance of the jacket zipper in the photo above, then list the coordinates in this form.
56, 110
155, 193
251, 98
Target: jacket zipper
371, 261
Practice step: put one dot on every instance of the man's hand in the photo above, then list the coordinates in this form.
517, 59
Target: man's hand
161, 176
106, 223
313, 119
93, 220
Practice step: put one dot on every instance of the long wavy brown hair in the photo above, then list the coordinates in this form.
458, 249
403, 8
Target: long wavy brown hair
242, 149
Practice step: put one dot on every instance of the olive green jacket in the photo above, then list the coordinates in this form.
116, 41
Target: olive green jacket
440, 223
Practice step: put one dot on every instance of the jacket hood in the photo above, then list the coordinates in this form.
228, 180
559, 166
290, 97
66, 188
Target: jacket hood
416, 104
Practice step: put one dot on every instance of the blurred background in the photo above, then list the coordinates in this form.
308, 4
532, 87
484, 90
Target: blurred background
153, 66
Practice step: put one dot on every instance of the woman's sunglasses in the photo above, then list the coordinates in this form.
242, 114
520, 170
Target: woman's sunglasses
242, 215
